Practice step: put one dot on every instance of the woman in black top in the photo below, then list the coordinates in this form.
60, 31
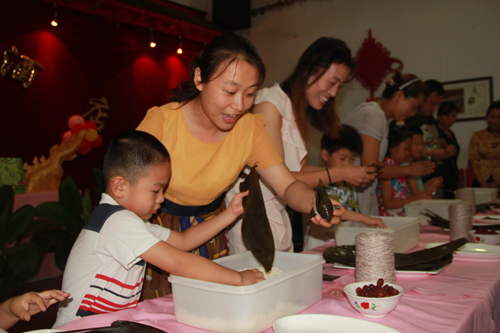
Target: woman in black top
447, 115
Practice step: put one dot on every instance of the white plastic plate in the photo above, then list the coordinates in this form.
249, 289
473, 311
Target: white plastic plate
322, 323
476, 251
479, 220
399, 273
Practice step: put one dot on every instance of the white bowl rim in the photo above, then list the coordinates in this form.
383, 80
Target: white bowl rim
395, 286
473, 232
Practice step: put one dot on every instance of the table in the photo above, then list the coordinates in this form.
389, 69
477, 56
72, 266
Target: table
34, 198
463, 297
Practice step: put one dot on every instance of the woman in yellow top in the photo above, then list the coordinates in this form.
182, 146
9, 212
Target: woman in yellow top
211, 137
484, 150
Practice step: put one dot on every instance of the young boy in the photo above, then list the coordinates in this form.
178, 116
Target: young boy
106, 266
337, 153
415, 184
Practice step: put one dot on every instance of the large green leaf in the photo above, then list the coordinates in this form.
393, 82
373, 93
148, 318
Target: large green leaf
6, 207
19, 222
24, 260
8, 282
69, 196
62, 253
41, 225
2, 265
51, 210
61, 215
99, 179
87, 205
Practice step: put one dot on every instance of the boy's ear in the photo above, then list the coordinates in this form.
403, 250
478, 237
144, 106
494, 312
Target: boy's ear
197, 79
118, 186
324, 154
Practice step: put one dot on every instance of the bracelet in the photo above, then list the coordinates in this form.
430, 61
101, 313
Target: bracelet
329, 178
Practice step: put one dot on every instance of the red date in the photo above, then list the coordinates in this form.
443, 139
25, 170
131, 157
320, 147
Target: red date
484, 231
378, 290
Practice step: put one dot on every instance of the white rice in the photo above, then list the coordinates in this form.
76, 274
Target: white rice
275, 271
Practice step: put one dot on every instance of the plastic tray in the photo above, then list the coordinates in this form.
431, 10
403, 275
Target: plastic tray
254, 308
437, 206
406, 231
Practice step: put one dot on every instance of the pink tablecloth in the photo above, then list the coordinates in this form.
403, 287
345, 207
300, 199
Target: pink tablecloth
463, 297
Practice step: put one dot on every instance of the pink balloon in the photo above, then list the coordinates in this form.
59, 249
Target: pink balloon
67, 136
75, 119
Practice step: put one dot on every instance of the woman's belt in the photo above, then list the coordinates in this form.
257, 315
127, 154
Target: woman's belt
172, 208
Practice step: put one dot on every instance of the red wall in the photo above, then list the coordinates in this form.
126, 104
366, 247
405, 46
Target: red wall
84, 57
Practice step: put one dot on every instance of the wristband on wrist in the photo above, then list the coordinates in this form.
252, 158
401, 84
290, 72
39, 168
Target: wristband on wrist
329, 178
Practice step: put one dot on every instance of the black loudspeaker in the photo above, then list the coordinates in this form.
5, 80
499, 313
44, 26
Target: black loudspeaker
231, 14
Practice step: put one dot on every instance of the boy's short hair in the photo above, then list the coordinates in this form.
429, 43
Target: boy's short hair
415, 130
130, 155
435, 86
347, 138
446, 108
398, 134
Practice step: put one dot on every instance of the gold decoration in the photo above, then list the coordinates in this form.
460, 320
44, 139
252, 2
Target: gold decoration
99, 104
24, 70
45, 174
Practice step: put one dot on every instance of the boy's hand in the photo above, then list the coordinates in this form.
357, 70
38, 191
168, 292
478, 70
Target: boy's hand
31, 303
375, 222
426, 194
251, 276
337, 213
236, 205
451, 151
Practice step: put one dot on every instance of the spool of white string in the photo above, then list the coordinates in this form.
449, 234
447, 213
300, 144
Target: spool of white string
375, 256
468, 195
460, 216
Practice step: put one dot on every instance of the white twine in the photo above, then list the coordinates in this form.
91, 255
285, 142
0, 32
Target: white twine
460, 216
375, 257
468, 195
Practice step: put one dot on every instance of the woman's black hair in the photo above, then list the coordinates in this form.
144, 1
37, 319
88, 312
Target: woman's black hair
494, 106
221, 52
398, 134
446, 108
347, 138
410, 84
316, 60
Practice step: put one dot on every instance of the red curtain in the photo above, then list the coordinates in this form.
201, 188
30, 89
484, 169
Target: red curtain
84, 57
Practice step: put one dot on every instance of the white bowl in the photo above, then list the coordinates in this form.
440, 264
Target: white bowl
372, 307
493, 239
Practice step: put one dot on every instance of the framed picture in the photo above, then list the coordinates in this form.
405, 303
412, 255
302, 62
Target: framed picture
472, 96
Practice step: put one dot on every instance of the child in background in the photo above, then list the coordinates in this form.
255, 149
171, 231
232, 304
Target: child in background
29, 304
416, 184
392, 194
106, 266
337, 153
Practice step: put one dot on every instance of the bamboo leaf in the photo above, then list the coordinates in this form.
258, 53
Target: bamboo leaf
255, 229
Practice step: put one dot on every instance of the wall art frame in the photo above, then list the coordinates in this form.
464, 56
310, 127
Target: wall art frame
472, 96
